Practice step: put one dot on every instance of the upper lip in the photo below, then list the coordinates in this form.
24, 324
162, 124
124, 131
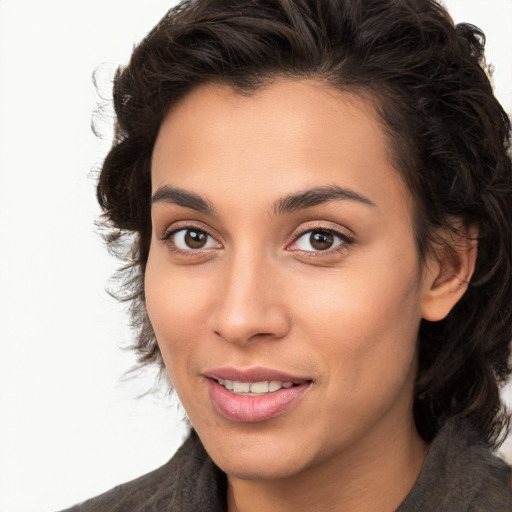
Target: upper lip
255, 374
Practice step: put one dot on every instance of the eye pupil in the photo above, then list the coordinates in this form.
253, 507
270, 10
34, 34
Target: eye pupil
195, 239
321, 240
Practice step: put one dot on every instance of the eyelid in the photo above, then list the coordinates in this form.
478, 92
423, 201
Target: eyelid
176, 227
346, 238
173, 227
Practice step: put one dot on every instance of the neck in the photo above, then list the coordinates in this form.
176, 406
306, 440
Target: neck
375, 474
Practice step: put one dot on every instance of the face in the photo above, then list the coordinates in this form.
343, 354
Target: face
283, 281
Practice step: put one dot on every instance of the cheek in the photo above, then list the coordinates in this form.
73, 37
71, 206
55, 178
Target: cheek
176, 304
367, 348
365, 320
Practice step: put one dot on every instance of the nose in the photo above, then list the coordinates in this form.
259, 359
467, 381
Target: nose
249, 304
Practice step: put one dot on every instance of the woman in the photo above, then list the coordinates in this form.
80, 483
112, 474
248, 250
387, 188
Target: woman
321, 198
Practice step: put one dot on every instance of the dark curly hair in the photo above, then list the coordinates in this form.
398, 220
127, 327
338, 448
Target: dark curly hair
449, 138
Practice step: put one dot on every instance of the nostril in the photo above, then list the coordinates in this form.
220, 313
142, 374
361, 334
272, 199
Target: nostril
239, 320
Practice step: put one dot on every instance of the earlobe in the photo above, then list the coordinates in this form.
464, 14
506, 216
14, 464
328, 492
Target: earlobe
448, 272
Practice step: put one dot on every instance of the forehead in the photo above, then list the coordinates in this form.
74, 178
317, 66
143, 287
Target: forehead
283, 112
290, 134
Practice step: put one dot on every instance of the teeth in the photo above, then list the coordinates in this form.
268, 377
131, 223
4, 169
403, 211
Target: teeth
254, 388
274, 385
259, 387
241, 387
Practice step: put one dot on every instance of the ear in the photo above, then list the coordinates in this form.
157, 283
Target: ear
448, 271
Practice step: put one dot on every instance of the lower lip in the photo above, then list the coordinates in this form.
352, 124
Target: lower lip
252, 409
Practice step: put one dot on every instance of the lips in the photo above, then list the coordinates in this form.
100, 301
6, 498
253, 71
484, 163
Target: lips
254, 395
254, 374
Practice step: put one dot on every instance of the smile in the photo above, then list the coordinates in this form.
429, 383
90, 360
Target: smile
254, 395
254, 388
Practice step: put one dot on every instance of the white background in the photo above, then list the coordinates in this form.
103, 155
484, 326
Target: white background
70, 428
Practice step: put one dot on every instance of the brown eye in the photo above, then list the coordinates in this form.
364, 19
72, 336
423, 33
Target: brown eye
321, 240
195, 239
189, 239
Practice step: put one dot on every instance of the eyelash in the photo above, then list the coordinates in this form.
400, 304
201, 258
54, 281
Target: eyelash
182, 252
345, 241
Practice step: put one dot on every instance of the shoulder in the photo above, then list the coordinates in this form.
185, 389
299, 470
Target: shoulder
190, 481
461, 474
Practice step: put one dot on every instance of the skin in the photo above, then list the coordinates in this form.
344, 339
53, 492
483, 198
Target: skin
258, 293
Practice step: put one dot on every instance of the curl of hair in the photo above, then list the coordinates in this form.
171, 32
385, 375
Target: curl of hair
448, 137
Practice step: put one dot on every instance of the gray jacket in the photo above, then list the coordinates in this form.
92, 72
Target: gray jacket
459, 475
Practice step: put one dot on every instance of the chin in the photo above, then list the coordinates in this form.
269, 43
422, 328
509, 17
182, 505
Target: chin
259, 456
254, 468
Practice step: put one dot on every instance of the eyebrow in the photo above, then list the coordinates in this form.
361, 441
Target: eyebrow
180, 197
316, 196
288, 204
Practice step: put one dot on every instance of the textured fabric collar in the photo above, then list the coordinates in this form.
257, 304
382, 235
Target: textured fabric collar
459, 475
